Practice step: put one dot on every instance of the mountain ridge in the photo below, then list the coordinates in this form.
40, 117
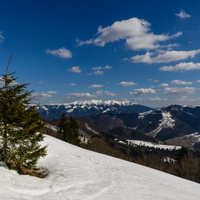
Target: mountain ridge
90, 107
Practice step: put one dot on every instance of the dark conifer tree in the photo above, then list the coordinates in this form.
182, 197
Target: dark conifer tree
63, 127
21, 127
74, 131
68, 130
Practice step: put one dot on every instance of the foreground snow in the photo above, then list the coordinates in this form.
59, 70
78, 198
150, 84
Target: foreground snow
76, 174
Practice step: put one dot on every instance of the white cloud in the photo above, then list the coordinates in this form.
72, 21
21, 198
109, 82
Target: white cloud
95, 86
44, 95
111, 94
119, 30
183, 15
171, 46
107, 67
80, 95
198, 81
150, 99
106, 93
142, 91
126, 84
96, 94
165, 57
98, 72
62, 52
179, 91
135, 32
52, 92
149, 41
180, 82
75, 69
1, 37
87, 42
164, 85
42, 82
183, 98
98, 68
73, 84
183, 66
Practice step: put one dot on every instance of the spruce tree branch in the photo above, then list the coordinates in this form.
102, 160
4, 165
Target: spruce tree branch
8, 64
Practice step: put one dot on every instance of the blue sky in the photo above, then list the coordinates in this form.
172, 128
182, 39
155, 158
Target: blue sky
145, 51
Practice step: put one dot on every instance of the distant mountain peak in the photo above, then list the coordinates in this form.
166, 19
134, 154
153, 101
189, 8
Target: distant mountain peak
104, 102
91, 107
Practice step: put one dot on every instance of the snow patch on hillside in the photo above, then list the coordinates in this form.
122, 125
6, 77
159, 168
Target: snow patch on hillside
142, 115
165, 122
195, 135
153, 145
90, 129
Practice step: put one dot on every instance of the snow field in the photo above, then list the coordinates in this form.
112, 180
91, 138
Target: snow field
78, 174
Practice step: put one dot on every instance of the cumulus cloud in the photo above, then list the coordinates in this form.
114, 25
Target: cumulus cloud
62, 53
150, 99
164, 85
149, 41
44, 95
142, 91
183, 98
99, 72
75, 69
165, 57
135, 32
183, 66
1, 37
42, 82
180, 82
150, 79
98, 68
73, 84
88, 95
178, 91
80, 95
95, 86
87, 42
107, 67
187, 99
106, 93
111, 94
126, 84
183, 15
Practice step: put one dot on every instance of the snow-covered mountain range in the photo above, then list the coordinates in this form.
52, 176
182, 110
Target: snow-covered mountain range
166, 124
92, 107
77, 174
126, 120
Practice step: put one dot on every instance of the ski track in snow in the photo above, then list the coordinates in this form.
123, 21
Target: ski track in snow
78, 174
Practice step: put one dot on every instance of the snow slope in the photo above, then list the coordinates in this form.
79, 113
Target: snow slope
76, 174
